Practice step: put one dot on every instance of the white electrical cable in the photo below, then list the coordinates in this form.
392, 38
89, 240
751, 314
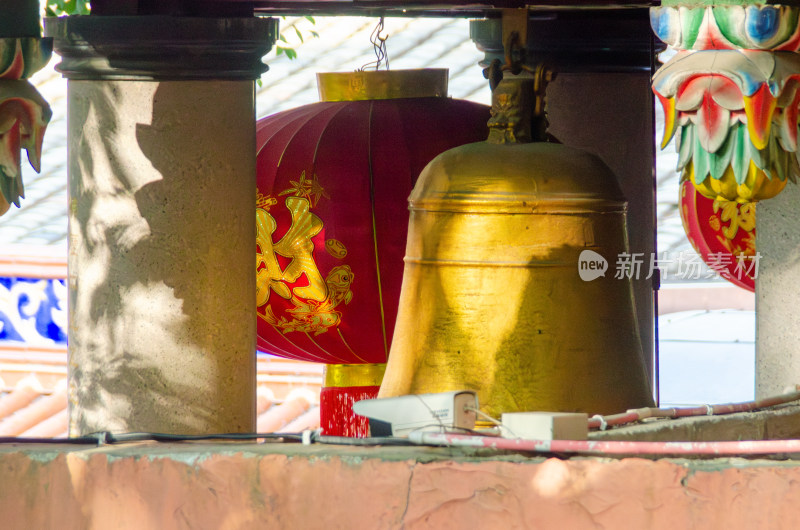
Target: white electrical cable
602, 420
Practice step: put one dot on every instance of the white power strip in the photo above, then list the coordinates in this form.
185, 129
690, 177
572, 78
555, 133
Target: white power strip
545, 425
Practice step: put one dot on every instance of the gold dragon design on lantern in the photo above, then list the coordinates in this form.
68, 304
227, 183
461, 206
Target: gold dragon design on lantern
314, 305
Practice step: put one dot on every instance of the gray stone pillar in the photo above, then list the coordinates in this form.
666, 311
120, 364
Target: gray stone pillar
161, 227
778, 293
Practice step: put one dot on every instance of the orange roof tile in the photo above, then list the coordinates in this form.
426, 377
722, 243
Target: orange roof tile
307, 420
264, 399
36, 405
25, 391
51, 427
277, 418
38, 411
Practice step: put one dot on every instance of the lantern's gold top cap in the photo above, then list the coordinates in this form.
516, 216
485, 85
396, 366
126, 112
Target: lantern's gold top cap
382, 84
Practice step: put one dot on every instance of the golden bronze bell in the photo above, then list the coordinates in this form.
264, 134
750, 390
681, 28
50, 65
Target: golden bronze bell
492, 299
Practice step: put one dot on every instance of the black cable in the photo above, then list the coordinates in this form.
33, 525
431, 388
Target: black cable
83, 440
164, 437
109, 438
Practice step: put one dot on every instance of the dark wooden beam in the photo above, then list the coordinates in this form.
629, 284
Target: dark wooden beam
202, 8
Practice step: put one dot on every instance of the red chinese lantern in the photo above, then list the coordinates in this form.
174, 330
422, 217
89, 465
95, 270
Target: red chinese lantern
723, 233
333, 181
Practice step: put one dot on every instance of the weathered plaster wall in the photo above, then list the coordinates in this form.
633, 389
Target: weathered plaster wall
246, 486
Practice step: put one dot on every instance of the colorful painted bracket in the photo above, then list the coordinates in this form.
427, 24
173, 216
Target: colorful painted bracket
751, 27
24, 115
737, 114
22, 57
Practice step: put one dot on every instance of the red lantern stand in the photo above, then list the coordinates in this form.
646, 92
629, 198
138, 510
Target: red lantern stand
333, 181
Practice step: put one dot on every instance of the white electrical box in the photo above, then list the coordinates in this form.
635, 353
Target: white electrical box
398, 416
546, 425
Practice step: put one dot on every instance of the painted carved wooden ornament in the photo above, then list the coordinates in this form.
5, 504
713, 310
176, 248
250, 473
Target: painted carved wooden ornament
24, 114
731, 96
332, 213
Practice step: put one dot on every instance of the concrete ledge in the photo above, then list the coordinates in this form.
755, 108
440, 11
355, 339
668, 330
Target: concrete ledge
290, 486
781, 423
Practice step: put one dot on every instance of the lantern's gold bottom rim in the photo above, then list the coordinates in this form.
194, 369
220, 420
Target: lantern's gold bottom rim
353, 375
